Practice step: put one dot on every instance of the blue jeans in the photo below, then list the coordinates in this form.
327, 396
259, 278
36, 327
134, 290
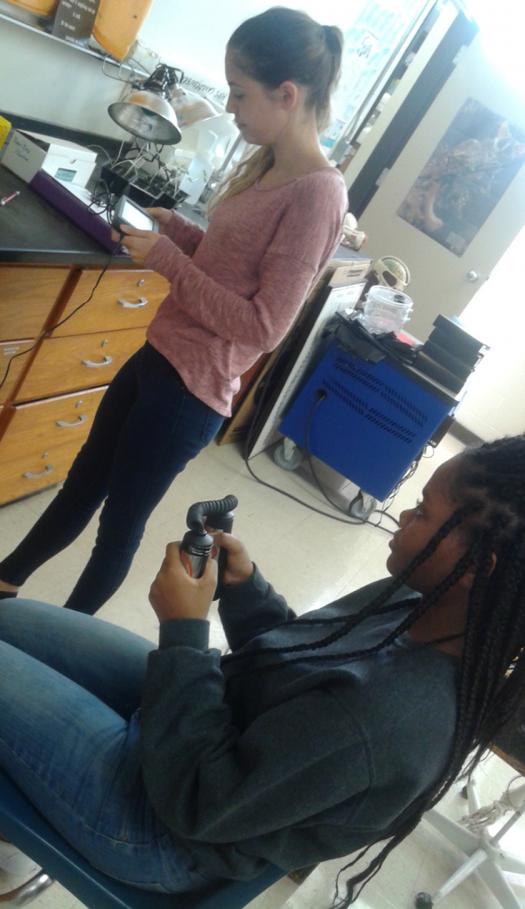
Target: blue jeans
70, 687
147, 428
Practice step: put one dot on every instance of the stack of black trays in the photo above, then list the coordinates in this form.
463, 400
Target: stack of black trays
450, 354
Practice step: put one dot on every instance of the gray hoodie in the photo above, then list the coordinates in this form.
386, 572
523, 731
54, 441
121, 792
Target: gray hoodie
296, 765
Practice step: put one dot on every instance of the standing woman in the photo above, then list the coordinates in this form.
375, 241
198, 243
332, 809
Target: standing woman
235, 291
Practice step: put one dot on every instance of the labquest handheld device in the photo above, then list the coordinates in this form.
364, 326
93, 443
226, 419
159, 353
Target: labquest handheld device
128, 212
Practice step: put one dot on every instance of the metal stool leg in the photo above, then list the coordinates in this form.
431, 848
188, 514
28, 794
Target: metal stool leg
497, 884
484, 855
28, 892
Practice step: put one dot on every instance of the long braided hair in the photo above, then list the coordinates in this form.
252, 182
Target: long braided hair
488, 488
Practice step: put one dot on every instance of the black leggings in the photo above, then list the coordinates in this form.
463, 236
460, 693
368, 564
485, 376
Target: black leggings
147, 428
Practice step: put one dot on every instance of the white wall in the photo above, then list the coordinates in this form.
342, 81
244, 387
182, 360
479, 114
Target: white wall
440, 278
495, 402
193, 36
48, 80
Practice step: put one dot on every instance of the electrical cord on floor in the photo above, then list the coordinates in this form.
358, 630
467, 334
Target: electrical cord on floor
382, 512
52, 328
325, 514
289, 495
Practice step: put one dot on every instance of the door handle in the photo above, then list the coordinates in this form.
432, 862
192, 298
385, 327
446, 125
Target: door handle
142, 301
91, 364
31, 475
70, 424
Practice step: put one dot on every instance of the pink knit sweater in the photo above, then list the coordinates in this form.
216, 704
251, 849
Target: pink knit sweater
237, 287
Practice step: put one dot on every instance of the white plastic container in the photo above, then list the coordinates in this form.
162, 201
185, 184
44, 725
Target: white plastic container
385, 310
67, 162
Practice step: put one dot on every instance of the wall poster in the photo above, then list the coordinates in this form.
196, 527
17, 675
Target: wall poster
470, 169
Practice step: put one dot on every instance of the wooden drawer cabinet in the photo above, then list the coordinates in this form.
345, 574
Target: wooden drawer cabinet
43, 425
52, 391
80, 361
10, 350
26, 298
32, 472
123, 299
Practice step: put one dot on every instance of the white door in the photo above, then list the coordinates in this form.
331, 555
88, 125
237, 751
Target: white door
455, 198
494, 404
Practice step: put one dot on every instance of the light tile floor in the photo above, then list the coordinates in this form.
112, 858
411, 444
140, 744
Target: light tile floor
311, 560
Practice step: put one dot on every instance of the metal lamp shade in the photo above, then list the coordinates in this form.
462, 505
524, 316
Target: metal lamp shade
148, 116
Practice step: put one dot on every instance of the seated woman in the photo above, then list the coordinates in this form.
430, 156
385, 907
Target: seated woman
315, 736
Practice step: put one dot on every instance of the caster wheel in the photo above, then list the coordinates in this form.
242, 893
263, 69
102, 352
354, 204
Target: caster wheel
362, 506
292, 462
464, 793
423, 901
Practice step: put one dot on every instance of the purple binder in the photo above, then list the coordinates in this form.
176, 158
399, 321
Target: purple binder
78, 212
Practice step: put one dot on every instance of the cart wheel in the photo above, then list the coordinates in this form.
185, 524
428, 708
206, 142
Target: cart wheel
287, 455
423, 901
362, 506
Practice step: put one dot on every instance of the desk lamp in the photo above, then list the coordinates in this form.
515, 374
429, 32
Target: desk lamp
146, 112
154, 111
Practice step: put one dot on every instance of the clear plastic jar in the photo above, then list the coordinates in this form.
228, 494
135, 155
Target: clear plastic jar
385, 310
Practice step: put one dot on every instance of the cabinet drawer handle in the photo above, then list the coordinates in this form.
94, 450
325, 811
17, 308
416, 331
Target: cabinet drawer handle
31, 475
104, 362
142, 301
66, 424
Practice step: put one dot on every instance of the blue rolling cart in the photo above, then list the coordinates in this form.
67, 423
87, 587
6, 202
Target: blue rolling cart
363, 411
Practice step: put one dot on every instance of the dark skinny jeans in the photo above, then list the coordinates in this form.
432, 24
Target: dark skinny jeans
148, 426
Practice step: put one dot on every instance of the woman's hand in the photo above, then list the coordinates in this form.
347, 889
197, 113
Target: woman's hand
175, 595
138, 243
239, 566
162, 215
